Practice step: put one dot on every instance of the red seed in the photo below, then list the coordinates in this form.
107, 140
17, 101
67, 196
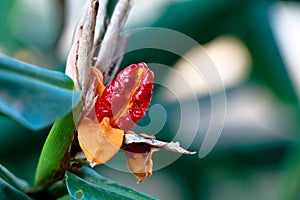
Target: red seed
127, 98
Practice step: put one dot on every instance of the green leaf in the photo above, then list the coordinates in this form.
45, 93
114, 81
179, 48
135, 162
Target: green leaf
48, 76
65, 197
33, 96
93, 177
79, 188
53, 163
12, 179
9, 192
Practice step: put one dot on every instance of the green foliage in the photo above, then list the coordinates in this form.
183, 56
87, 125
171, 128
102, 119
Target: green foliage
11, 179
81, 189
52, 161
93, 177
8, 192
87, 185
66, 197
11, 187
33, 96
94, 186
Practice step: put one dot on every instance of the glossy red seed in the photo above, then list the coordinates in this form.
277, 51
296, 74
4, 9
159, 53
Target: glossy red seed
127, 98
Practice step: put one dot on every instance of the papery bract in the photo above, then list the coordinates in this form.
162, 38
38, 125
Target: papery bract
139, 159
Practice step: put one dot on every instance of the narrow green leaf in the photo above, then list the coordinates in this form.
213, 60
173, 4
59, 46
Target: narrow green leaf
12, 179
8, 192
79, 188
51, 162
32, 96
93, 177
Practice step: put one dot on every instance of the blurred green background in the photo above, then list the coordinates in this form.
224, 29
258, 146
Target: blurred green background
258, 153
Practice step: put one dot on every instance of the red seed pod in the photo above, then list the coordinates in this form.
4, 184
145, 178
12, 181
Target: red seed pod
127, 98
